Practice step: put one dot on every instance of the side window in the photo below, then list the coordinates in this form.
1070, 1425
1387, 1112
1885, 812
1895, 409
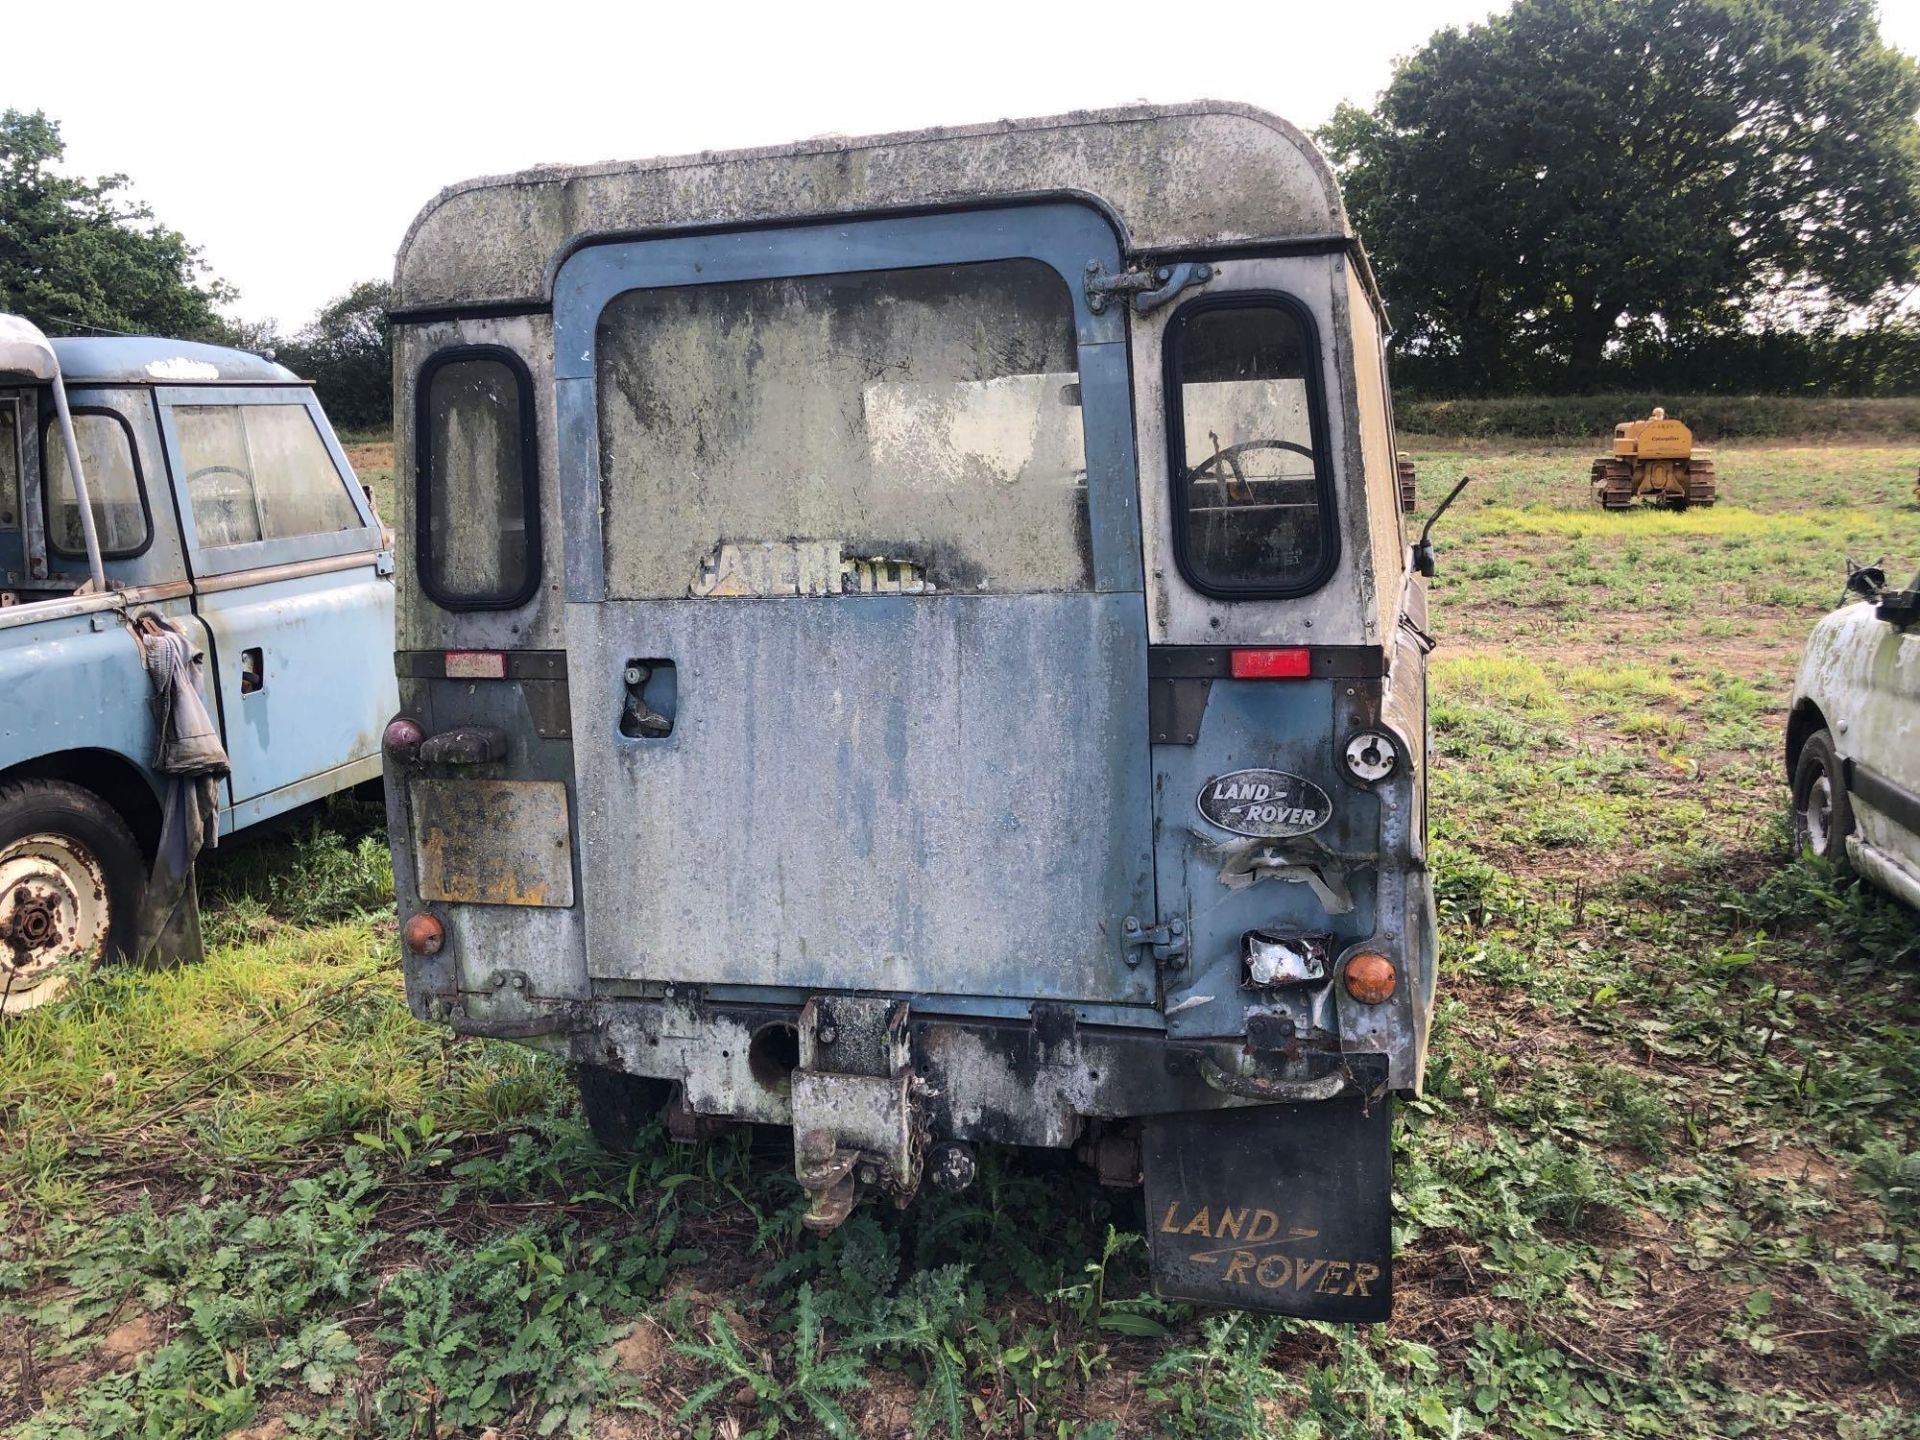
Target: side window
477, 514
9, 463
120, 519
1252, 502
259, 472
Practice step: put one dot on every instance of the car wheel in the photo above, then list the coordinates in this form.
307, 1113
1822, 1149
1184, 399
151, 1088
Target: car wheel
1822, 813
71, 877
618, 1105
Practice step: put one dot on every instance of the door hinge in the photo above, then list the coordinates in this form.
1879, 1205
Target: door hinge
1150, 289
1167, 941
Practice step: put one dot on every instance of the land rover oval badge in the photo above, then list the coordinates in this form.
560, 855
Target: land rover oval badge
1269, 803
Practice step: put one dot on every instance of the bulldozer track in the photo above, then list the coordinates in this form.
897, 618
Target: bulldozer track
1701, 488
1612, 483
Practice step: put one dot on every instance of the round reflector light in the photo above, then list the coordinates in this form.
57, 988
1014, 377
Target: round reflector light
1371, 978
402, 737
425, 935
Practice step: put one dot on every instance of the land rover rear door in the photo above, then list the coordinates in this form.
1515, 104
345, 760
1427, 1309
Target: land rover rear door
856, 632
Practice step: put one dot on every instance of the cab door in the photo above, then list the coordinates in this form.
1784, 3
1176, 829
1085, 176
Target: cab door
1885, 743
291, 579
857, 644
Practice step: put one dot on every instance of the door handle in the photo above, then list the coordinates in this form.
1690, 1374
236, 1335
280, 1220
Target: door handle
653, 691
465, 745
253, 671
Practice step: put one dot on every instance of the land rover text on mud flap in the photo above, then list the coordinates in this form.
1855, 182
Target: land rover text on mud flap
913, 639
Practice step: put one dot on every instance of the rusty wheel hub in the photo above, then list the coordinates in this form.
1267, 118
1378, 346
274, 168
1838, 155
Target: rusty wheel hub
53, 906
36, 917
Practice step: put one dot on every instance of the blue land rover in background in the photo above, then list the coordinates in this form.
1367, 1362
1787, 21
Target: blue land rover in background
220, 502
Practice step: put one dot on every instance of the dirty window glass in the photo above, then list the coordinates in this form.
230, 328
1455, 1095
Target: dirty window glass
1250, 491
9, 464
113, 487
259, 472
478, 545
884, 432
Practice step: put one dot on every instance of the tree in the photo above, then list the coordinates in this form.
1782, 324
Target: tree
347, 351
1578, 172
82, 252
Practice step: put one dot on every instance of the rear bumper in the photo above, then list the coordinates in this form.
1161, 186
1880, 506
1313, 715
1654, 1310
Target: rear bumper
1036, 1082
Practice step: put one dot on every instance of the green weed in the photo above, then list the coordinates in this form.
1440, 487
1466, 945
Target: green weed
1661, 1181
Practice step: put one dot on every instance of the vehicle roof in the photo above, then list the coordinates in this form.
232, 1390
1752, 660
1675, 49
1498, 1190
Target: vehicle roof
1172, 177
150, 359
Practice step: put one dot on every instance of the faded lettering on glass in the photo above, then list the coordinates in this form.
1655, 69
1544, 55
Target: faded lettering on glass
922, 425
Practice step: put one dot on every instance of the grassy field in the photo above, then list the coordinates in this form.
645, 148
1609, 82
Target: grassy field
1746, 419
1665, 1180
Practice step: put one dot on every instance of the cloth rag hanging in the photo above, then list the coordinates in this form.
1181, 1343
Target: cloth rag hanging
189, 754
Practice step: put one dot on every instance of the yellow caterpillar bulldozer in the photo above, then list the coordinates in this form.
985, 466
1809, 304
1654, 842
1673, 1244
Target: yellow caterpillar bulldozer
1653, 460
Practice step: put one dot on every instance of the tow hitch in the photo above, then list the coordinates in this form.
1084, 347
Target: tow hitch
858, 1118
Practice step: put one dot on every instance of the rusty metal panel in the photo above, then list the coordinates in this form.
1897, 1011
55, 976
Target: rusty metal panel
924, 794
861, 1112
493, 842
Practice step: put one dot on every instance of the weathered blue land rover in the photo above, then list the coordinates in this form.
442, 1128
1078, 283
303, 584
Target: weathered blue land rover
913, 638
153, 487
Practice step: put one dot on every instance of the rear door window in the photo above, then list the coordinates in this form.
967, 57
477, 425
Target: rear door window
259, 472
479, 526
1253, 503
9, 463
120, 519
887, 431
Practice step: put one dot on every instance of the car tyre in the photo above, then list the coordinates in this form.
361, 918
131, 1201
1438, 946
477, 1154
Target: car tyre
1822, 811
618, 1106
71, 880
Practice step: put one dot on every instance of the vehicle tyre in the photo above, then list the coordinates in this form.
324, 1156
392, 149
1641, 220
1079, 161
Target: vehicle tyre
71, 878
1822, 811
618, 1105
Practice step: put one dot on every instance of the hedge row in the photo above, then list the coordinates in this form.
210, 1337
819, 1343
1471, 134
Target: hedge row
1711, 417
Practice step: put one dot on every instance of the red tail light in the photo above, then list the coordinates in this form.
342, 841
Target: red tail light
402, 737
424, 934
1295, 662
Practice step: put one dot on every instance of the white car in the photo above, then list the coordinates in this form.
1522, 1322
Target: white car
1853, 738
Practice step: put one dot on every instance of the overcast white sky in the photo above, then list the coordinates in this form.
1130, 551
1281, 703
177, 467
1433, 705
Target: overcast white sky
294, 143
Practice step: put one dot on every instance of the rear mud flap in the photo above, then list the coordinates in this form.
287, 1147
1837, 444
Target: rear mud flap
1283, 1208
